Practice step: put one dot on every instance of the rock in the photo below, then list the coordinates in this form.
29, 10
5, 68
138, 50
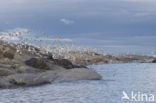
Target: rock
5, 72
154, 61
150, 61
37, 63
135, 58
8, 54
26, 69
29, 66
79, 66
34, 79
48, 56
5, 61
29, 79
7, 51
64, 63
4, 83
78, 74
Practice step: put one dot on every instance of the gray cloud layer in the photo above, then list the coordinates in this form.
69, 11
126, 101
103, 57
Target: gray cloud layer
105, 18
81, 8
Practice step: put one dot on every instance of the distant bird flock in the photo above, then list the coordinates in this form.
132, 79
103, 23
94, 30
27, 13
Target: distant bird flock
57, 46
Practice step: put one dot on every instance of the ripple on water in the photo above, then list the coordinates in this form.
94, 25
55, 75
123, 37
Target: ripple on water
116, 78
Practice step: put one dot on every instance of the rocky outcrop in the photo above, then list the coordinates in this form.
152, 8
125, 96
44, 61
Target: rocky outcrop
5, 72
19, 66
78, 74
40, 63
89, 59
25, 65
31, 79
64, 63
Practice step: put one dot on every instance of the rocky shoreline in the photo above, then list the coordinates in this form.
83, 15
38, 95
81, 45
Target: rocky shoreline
23, 65
92, 58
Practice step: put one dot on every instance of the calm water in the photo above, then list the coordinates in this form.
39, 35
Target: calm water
116, 78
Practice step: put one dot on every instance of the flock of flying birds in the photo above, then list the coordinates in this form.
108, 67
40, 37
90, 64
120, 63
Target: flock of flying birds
25, 38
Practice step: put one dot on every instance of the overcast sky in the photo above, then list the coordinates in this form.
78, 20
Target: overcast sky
104, 23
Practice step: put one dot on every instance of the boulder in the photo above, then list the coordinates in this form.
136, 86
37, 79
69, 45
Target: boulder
59, 75
78, 74
39, 63
5, 72
27, 79
26, 69
64, 63
8, 54
32, 79
7, 51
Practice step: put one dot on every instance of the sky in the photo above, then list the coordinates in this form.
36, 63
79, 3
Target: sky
118, 25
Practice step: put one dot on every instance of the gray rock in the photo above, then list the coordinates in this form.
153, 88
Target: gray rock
154, 61
64, 63
78, 74
150, 61
26, 69
34, 79
37, 63
4, 83
30, 79
5, 72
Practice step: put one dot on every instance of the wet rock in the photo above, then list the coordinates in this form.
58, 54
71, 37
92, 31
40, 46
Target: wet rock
79, 66
37, 63
64, 63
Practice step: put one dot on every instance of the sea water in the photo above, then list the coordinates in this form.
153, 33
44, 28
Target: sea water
118, 81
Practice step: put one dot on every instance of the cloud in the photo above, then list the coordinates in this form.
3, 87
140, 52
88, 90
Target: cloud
105, 9
138, 0
66, 21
